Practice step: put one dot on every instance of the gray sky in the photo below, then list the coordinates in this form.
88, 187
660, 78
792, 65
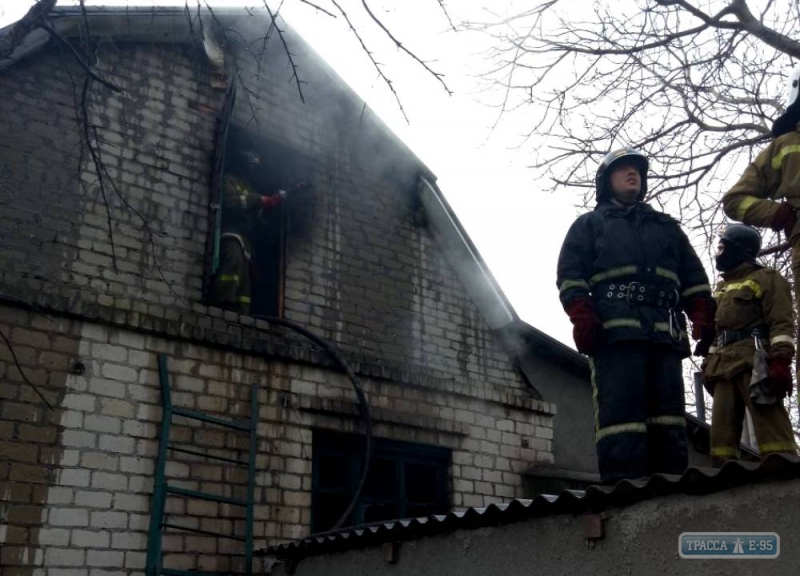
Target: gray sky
517, 228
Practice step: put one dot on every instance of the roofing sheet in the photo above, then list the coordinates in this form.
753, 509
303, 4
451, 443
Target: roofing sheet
696, 481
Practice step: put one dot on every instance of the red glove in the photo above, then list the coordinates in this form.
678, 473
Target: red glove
785, 219
587, 329
701, 312
780, 375
268, 202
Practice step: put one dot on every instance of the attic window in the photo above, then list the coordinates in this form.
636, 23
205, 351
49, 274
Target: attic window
246, 255
405, 480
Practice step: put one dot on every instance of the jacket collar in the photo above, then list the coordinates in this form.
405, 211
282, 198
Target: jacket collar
788, 121
741, 271
607, 206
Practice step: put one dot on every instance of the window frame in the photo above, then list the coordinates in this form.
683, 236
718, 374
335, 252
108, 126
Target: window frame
351, 447
231, 137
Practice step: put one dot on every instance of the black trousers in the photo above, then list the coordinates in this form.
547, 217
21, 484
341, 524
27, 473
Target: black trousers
640, 423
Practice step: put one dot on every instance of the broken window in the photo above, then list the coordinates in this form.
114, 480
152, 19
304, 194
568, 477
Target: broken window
246, 253
405, 480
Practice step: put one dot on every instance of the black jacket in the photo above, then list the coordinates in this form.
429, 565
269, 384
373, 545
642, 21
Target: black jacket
639, 268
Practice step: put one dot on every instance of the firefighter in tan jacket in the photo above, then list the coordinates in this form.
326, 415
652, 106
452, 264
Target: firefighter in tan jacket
241, 205
768, 193
752, 302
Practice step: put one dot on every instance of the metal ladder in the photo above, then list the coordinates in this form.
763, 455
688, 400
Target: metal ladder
158, 520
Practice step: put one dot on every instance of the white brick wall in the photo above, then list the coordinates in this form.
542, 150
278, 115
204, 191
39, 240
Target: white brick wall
97, 470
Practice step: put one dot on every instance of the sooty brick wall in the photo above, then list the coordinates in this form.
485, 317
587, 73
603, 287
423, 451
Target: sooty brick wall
361, 269
358, 269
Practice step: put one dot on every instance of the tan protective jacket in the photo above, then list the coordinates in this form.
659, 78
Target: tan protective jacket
750, 296
772, 177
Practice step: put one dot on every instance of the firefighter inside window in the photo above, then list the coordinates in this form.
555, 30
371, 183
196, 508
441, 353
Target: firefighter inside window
249, 240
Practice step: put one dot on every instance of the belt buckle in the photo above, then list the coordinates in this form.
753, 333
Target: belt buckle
635, 290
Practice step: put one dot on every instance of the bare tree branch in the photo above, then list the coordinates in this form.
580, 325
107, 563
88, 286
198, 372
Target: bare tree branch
145, 224
403, 48
289, 54
22, 372
372, 59
695, 90
97, 165
85, 65
783, 247
447, 15
320, 8
93, 151
746, 21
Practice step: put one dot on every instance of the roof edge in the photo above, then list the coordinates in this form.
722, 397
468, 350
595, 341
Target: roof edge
557, 351
695, 481
170, 24
466, 260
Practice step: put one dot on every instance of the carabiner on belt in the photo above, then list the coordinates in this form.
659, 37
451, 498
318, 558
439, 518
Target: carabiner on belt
674, 324
757, 338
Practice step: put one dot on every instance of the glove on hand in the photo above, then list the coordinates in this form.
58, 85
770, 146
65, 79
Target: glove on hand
268, 202
701, 311
785, 219
780, 375
587, 329
702, 348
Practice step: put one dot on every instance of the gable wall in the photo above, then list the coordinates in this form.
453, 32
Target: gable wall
362, 270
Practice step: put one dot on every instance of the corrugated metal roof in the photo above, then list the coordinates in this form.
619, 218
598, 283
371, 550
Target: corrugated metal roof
695, 481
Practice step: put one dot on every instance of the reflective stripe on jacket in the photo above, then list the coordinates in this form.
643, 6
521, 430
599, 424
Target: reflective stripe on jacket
750, 296
772, 177
239, 206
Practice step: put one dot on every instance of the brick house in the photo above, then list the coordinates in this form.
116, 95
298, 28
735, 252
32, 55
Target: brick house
100, 276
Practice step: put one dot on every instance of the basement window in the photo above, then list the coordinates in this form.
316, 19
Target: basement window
246, 249
405, 480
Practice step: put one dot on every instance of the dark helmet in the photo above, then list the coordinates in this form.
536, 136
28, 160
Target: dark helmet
611, 161
249, 158
245, 163
743, 240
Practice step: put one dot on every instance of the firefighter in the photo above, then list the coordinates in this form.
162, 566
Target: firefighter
768, 193
625, 274
753, 302
241, 206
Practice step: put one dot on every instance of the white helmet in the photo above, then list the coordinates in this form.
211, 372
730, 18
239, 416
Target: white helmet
793, 86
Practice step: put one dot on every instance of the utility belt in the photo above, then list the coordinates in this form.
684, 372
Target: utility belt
640, 294
727, 337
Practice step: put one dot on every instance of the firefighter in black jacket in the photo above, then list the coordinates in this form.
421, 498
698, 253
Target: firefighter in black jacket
625, 274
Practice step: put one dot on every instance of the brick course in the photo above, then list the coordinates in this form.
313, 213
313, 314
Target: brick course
101, 495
